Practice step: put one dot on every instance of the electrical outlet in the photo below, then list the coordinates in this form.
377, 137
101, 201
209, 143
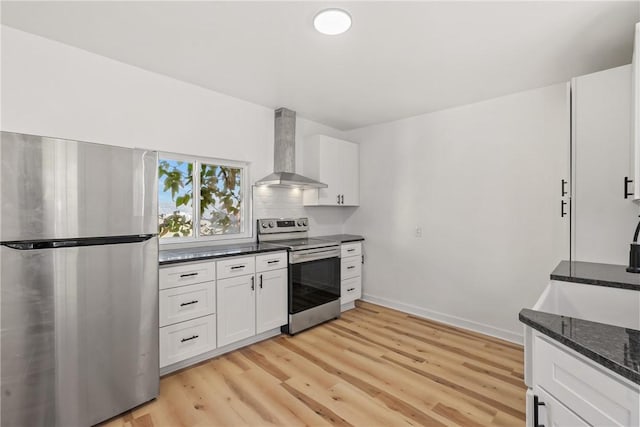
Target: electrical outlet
418, 231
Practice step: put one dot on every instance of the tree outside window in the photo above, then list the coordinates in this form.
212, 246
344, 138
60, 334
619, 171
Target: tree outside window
219, 209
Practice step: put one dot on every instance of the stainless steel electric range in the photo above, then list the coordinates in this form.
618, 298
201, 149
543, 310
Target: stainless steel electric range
314, 272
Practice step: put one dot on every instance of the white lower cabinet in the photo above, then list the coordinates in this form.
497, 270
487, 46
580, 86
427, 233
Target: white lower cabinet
574, 391
199, 314
351, 272
552, 413
187, 339
236, 309
271, 300
255, 303
187, 302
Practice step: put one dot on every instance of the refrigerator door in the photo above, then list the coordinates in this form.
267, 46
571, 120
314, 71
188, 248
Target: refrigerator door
61, 189
79, 332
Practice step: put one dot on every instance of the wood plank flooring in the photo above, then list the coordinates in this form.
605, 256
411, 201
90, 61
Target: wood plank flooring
372, 367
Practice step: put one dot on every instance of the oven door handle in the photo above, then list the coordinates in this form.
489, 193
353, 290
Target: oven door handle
313, 255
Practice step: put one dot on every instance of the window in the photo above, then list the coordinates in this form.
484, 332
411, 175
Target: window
219, 211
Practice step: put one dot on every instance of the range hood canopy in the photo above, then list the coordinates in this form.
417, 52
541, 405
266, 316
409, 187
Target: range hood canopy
284, 157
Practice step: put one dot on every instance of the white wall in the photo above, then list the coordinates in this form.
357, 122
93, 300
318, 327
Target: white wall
53, 89
483, 182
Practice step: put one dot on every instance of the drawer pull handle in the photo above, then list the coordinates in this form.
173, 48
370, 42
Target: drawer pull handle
273, 261
189, 339
189, 303
351, 250
351, 289
261, 281
350, 267
236, 267
188, 275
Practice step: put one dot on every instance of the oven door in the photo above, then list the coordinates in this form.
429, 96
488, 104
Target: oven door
313, 283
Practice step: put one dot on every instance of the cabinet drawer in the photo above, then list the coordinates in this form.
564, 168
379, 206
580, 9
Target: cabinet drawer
234, 267
350, 267
186, 274
596, 395
351, 289
272, 261
351, 249
187, 339
187, 302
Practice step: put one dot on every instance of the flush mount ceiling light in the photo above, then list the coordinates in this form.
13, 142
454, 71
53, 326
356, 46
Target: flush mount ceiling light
332, 21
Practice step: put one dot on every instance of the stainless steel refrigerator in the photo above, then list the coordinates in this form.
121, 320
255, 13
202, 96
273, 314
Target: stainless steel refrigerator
78, 281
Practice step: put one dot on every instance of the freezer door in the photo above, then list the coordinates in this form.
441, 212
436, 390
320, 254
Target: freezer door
61, 189
79, 333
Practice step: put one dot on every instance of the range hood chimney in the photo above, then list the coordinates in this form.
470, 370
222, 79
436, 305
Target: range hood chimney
284, 157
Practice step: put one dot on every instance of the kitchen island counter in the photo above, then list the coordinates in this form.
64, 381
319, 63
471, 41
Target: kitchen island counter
591, 273
613, 347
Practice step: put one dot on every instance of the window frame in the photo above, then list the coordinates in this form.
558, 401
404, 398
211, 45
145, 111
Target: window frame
245, 197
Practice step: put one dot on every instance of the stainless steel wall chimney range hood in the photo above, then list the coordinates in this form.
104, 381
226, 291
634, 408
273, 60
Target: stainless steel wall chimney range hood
284, 157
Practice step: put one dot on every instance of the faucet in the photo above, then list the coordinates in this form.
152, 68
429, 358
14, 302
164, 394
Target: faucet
634, 253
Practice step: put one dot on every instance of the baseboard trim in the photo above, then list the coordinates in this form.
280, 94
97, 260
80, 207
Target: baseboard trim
446, 318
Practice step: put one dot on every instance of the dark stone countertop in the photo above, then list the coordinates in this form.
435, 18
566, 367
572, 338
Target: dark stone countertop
592, 273
611, 346
173, 256
342, 238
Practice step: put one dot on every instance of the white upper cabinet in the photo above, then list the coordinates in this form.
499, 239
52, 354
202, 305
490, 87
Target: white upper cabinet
336, 163
635, 116
603, 220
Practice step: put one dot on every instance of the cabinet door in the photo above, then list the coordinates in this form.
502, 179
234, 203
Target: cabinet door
635, 115
350, 174
336, 163
271, 308
236, 309
553, 413
604, 219
331, 171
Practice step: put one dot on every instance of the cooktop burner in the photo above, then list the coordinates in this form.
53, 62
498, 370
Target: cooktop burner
304, 243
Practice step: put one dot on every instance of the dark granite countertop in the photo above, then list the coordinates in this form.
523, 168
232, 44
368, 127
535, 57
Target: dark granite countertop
611, 346
173, 256
592, 273
342, 238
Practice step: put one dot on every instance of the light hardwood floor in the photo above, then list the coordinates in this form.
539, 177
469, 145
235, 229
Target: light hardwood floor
372, 367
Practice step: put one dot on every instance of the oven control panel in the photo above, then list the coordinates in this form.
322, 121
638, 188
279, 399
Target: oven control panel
282, 225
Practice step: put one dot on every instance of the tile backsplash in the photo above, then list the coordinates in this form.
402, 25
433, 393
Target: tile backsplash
274, 202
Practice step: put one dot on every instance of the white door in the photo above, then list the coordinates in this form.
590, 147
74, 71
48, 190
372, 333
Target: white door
350, 162
236, 309
604, 219
271, 309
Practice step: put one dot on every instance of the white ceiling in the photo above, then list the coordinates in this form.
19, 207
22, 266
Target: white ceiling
399, 59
